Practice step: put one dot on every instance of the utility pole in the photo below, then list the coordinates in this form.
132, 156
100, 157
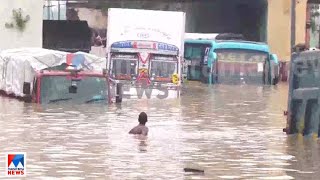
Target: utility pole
58, 9
288, 128
293, 24
48, 8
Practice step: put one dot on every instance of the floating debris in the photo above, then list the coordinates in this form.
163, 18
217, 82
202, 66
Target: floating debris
193, 170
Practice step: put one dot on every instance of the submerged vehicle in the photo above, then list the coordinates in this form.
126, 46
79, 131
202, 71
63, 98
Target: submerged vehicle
145, 50
304, 89
228, 58
46, 76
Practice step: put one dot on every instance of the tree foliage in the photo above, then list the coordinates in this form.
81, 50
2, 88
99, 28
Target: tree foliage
314, 13
19, 20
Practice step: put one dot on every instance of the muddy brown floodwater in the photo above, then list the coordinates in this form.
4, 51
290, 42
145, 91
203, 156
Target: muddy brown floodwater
229, 131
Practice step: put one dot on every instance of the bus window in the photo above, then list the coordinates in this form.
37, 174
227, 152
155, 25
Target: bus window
197, 53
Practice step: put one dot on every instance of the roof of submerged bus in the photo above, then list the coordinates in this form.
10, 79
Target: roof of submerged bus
232, 44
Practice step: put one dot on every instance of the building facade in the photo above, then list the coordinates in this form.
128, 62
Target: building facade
28, 34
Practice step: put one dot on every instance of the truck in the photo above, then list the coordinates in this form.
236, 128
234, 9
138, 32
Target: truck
46, 76
145, 51
228, 58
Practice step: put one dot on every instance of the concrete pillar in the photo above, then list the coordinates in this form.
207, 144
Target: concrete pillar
278, 30
279, 17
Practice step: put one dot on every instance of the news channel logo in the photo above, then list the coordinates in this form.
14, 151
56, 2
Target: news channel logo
16, 164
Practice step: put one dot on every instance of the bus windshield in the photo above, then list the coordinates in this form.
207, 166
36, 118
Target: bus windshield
89, 89
163, 67
241, 55
241, 64
124, 67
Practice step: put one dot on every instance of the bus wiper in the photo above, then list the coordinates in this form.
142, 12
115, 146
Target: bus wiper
95, 99
61, 99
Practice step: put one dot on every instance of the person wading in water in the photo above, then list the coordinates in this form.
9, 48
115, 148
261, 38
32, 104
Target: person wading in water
141, 129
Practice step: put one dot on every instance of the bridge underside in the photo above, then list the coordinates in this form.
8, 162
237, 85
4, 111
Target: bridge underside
216, 16
237, 16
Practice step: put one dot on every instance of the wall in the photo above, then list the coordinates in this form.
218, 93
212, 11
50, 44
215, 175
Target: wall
32, 35
95, 18
279, 26
278, 30
301, 18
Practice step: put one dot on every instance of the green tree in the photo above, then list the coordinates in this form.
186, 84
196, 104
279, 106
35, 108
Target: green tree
314, 13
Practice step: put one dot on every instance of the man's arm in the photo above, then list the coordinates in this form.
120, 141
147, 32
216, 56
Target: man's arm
145, 131
132, 131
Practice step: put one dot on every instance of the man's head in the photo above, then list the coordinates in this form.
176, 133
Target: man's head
143, 118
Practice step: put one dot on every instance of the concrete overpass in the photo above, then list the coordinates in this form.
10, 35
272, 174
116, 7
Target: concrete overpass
261, 20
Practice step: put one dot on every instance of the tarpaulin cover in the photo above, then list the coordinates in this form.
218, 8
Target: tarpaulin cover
20, 65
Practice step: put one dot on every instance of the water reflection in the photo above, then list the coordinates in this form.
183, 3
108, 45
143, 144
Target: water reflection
230, 132
306, 155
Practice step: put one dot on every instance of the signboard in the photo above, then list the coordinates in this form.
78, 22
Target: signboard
124, 56
164, 58
260, 67
145, 45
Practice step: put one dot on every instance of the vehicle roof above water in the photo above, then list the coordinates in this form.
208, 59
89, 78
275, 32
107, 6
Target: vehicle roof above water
39, 58
196, 36
232, 44
214, 36
225, 41
19, 66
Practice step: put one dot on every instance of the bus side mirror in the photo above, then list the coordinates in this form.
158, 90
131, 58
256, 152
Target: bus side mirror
213, 55
274, 58
27, 88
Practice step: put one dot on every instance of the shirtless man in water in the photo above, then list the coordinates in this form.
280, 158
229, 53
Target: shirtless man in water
141, 129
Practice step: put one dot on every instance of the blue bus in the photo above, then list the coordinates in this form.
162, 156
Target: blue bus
228, 58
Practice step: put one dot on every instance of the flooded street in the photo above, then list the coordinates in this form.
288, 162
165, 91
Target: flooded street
231, 132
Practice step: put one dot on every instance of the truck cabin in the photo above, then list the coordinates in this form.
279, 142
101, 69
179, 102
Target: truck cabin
228, 58
133, 61
66, 84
